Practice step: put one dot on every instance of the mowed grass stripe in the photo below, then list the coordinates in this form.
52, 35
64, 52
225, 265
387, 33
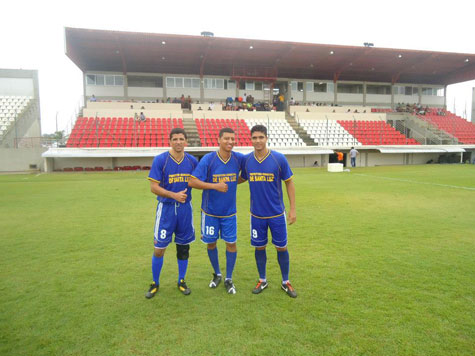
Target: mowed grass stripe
382, 267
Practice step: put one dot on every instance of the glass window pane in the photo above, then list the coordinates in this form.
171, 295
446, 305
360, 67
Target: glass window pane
187, 82
220, 83
249, 85
309, 87
179, 82
231, 84
195, 83
119, 80
258, 86
99, 79
90, 79
293, 86
109, 80
330, 87
170, 82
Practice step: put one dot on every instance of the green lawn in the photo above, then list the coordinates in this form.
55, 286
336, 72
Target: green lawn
383, 260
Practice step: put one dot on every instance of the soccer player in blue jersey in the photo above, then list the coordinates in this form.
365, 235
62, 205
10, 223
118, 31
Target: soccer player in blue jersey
265, 170
169, 177
217, 174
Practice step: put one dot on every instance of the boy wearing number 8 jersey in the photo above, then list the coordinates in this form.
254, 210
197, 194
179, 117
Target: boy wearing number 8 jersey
217, 174
168, 178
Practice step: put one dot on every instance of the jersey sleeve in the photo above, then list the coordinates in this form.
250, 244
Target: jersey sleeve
285, 168
201, 170
156, 170
243, 167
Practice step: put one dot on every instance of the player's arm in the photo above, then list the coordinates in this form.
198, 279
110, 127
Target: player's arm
289, 185
241, 180
160, 191
198, 184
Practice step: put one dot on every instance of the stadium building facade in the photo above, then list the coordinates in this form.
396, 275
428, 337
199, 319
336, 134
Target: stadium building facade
389, 103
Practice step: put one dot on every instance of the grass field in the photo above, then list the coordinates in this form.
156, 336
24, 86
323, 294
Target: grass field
383, 260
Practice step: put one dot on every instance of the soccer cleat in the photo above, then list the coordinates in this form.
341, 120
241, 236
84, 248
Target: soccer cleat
229, 285
287, 287
261, 285
215, 281
152, 290
183, 287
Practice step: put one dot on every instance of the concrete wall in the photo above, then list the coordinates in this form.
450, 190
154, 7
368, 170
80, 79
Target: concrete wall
19, 160
112, 91
153, 93
130, 113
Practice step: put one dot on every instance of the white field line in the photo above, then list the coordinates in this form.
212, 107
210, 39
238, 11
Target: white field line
416, 182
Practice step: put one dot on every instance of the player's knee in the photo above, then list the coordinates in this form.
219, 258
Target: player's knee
182, 252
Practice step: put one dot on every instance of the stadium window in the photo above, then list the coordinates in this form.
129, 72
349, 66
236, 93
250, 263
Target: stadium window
178, 82
440, 92
118, 80
258, 86
427, 91
213, 83
187, 82
293, 86
350, 88
249, 86
310, 87
90, 79
109, 80
300, 86
330, 87
321, 87
99, 79
144, 82
378, 89
170, 82
195, 83
231, 84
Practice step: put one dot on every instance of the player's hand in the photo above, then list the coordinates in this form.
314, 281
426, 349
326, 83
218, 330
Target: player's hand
181, 196
292, 217
221, 187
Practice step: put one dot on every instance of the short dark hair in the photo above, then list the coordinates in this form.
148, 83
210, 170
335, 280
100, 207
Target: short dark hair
225, 129
177, 130
259, 128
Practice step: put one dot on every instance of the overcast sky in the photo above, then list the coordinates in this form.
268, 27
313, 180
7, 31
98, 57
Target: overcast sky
33, 33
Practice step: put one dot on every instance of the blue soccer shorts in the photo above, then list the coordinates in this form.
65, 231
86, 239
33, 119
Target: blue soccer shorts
213, 228
173, 218
278, 229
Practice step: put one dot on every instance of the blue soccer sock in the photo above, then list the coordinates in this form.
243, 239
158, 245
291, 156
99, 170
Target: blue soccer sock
283, 258
213, 257
261, 261
230, 262
182, 267
157, 263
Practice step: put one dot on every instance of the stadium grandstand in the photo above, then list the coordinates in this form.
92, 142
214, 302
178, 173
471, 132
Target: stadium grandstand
20, 120
389, 103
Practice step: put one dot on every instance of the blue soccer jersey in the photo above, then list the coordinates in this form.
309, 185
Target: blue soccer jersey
172, 175
213, 169
265, 183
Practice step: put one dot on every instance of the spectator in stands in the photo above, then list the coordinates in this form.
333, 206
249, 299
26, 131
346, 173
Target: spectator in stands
281, 103
176, 101
169, 100
307, 110
292, 101
188, 102
315, 164
353, 154
182, 101
142, 116
199, 108
93, 98
349, 110
142, 108
131, 106
356, 111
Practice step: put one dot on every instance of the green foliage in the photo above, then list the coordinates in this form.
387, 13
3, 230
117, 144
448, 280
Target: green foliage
383, 260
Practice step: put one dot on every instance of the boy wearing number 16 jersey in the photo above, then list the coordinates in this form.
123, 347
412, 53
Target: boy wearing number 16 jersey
265, 170
217, 174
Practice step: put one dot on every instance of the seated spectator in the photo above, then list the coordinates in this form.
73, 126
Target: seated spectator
169, 100
199, 108
131, 106
349, 110
356, 111
142, 117
92, 98
307, 110
292, 101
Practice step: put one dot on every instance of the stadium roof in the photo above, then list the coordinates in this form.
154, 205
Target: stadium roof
128, 52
